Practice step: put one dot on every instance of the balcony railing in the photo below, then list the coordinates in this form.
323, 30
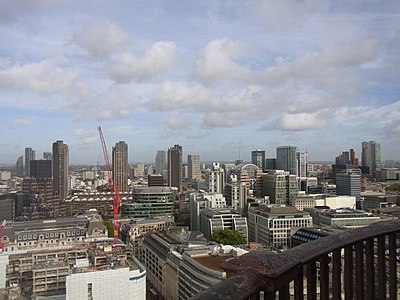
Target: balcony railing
355, 264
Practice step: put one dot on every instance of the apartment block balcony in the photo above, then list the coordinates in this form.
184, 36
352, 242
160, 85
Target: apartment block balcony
361, 263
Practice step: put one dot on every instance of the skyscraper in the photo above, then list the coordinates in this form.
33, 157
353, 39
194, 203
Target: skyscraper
286, 159
161, 161
40, 168
371, 156
29, 155
120, 165
19, 167
258, 159
302, 164
175, 166
47, 156
60, 169
194, 172
349, 184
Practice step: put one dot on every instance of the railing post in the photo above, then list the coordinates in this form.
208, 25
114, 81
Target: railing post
370, 272
348, 272
392, 267
299, 284
337, 274
359, 270
381, 268
311, 280
324, 277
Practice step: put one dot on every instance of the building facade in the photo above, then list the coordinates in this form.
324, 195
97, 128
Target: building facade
258, 159
371, 157
29, 155
40, 168
175, 167
120, 168
60, 169
194, 172
286, 159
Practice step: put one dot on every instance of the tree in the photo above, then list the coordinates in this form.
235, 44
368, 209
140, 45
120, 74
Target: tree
395, 187
228, 237
110, 227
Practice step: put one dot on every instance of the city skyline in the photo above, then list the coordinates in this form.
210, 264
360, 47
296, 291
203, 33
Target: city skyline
220, 78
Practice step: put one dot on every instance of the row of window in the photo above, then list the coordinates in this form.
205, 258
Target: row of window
50, 235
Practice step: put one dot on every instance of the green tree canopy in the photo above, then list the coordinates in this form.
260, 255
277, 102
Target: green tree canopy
110, 227
393, 187
228, 237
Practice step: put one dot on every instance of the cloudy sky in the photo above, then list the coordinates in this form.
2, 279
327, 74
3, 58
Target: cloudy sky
221, 78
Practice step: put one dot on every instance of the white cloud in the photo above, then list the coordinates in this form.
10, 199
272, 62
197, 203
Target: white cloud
44, 77
300, 121
101, 38
86, 136
217, 62
127, 67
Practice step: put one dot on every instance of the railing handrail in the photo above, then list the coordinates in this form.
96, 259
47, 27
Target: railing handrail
267, 267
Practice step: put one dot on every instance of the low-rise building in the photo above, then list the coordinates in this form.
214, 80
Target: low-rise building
346, 217
271, 224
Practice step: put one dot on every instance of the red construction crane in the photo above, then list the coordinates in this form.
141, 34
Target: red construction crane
112, 184
1, 234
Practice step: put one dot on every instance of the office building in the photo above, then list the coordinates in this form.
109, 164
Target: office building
258, 159
270, 164
175, 167
19, 167
346, 218
271, 225
302, 164
349, 183
194, 172
371, 157
40, 168
60, 169
286, 159
215, 219
200, 201
215, 179
280, 186
47, 156
29, 155
147, 202
155, 180
161, 162
120, 166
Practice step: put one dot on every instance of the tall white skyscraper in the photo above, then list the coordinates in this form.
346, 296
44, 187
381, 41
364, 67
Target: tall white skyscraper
194, 172
215, 179
302, 164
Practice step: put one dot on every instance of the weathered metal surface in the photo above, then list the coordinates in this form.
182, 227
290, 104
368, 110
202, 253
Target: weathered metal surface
392, 267
241, 286
359, 271
381, 268
370, 276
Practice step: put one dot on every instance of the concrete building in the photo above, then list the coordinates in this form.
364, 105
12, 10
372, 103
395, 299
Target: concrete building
40, 168
175, 167
215, 219
82, 271
271, 225
194, 172
234, 193
120, 167
215, 179
371, 157
79, 203
47, 156
181, 264
302, 202
53, 233
200, 201
302, 164
349, 183
258, 159
346, 217
60, 169
155, 201
29, 155
133, 232
155, 180
280, 186
286, 159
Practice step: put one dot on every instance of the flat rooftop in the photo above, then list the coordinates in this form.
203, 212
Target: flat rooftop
213, 262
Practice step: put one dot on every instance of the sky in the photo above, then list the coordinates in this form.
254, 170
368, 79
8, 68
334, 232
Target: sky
220, 78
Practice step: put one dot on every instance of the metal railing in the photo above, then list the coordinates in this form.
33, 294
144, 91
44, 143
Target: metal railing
355, 264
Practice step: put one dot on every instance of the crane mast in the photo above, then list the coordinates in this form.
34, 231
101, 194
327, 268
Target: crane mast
112, 184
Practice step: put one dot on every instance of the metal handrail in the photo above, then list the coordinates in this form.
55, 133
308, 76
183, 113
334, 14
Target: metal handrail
270, 272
